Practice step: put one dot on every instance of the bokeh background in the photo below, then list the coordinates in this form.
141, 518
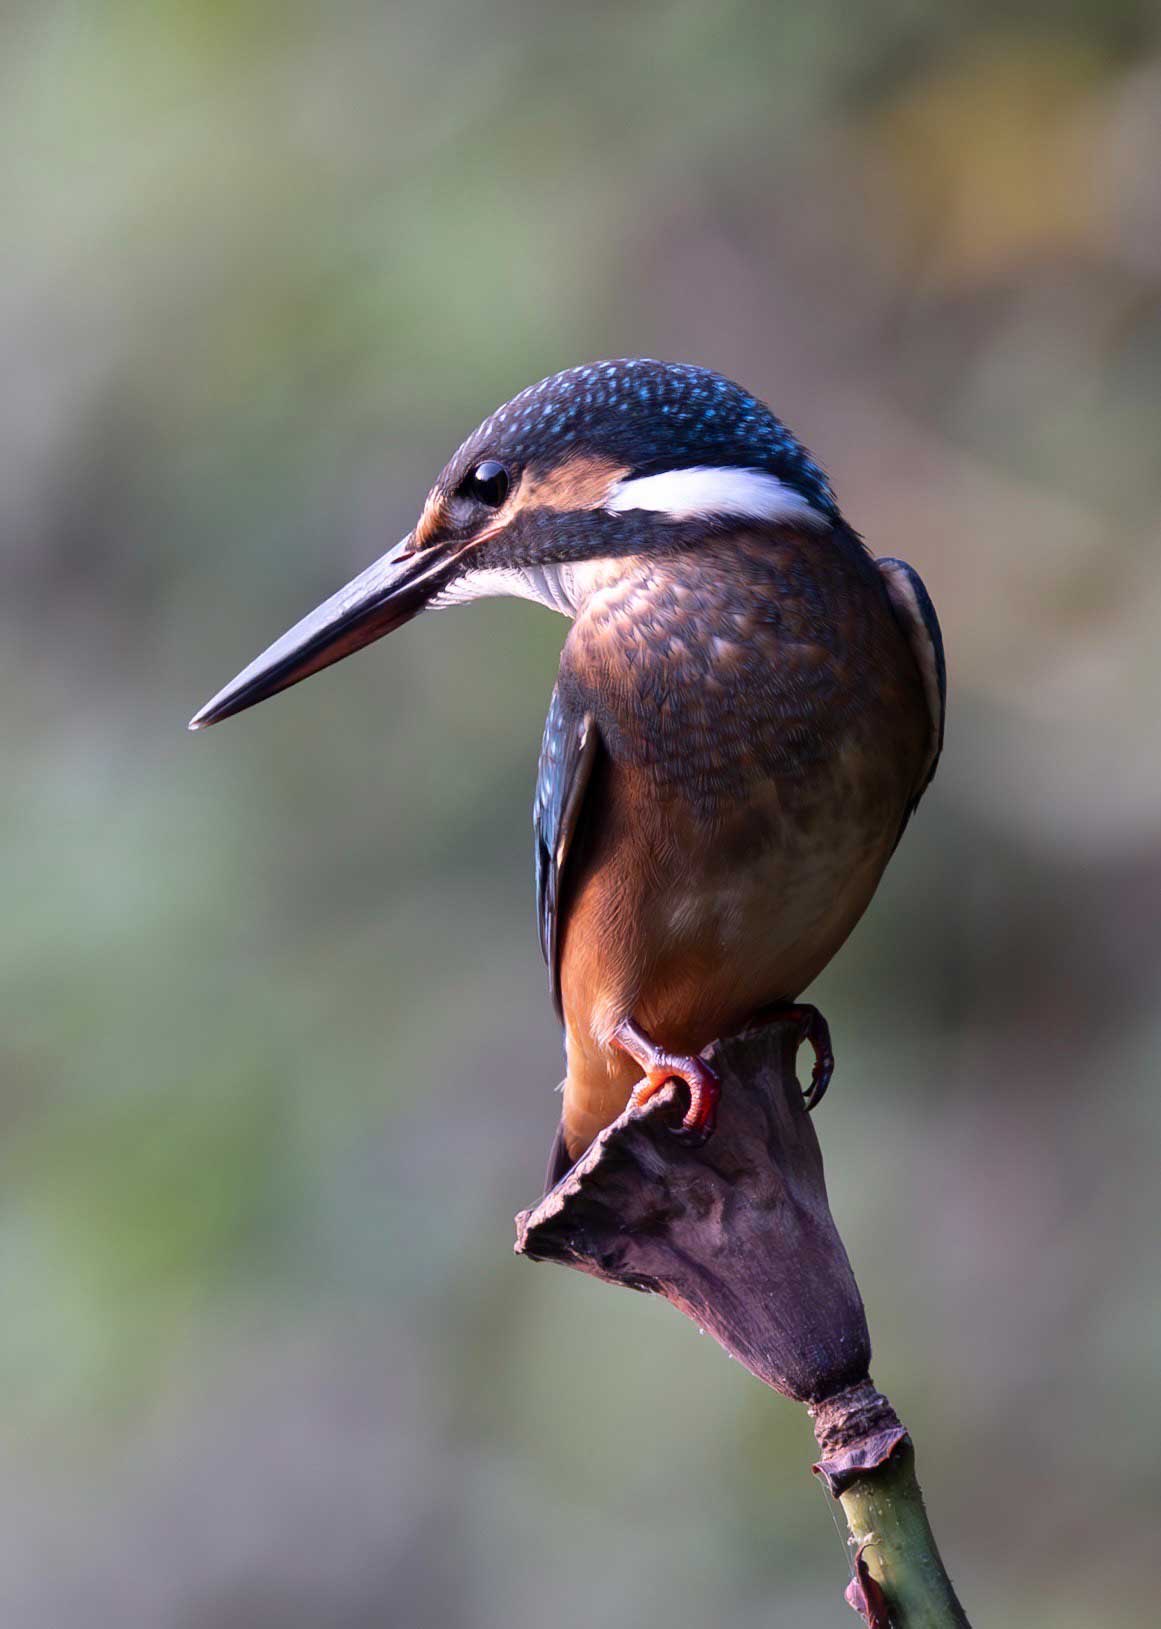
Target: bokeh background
276, 1060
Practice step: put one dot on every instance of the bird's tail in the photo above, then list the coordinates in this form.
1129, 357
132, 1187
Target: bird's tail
560, 1161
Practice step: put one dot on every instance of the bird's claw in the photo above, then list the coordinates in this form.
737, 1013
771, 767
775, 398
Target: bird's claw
698, 1122
814, 1028
658, 1068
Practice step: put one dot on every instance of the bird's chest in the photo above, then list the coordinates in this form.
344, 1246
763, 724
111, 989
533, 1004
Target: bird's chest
711, 676
762, 730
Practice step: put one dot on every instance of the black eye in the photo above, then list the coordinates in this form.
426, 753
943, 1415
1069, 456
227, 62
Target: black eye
487, 483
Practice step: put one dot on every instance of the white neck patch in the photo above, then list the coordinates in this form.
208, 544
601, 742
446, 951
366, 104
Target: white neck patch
550, 586
702, 492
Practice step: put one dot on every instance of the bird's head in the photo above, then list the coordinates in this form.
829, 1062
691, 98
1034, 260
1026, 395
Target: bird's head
614, 458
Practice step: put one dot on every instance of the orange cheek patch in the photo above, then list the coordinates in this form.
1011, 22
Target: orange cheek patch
431, 522
581, 482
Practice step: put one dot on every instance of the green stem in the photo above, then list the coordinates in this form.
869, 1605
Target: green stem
885, 1512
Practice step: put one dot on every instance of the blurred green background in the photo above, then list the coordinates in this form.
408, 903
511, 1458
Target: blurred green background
276, 1059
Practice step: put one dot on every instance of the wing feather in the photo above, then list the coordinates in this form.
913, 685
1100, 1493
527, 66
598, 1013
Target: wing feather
568, 754
915, 614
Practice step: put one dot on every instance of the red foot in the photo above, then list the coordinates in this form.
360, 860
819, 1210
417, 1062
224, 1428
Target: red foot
812, 1027
704, 1088
698, 1123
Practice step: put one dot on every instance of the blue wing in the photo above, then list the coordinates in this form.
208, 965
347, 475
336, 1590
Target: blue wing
568, 753
915, 613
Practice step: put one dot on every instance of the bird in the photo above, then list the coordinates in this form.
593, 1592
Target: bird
748, 709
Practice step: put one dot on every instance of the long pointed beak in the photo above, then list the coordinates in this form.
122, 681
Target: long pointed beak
382, 598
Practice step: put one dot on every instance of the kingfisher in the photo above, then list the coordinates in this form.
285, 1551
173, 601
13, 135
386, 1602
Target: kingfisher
749, 707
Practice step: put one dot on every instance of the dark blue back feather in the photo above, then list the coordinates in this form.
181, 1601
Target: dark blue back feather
567, 755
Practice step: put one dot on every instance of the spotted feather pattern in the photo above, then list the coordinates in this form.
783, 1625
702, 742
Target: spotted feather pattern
742, 661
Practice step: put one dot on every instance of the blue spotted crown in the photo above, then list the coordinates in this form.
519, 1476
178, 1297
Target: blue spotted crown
650, 416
